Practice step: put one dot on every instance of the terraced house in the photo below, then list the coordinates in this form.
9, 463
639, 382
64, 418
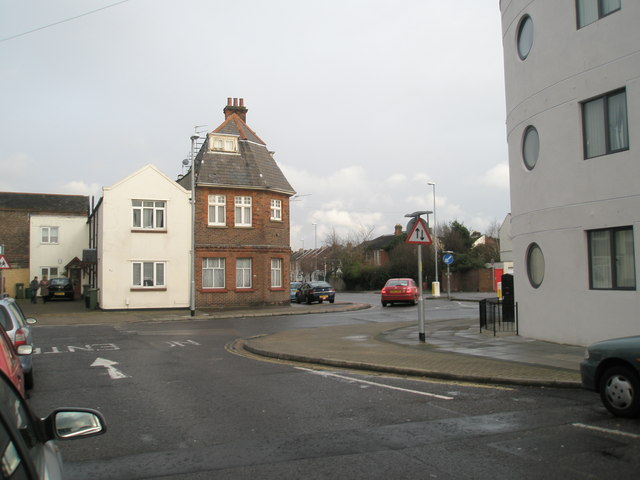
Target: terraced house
242, 245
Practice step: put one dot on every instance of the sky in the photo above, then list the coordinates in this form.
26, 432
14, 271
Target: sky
363, 101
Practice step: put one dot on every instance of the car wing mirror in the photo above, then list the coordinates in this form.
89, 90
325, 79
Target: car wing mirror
24, 349
67, 424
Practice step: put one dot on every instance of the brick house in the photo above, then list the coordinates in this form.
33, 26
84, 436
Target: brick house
42, 234
242, 245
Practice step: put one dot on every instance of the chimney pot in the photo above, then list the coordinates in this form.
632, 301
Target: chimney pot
228, 101
235, 102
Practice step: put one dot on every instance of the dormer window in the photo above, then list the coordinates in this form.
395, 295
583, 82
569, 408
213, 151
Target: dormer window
223, 143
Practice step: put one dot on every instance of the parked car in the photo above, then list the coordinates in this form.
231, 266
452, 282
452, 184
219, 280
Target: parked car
399, 290
10, 361
28, 447
60, 288
612, 368
315, 292
20, 331
294, 290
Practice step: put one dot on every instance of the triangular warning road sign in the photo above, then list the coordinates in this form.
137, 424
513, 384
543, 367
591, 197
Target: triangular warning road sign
3, 263
419, 234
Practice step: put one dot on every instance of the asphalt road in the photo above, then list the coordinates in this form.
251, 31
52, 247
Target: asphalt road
180, 405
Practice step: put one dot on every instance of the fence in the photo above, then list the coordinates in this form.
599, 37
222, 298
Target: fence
498, 316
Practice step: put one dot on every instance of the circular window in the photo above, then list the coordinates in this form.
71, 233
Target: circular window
530, 147
535, 265
525, 37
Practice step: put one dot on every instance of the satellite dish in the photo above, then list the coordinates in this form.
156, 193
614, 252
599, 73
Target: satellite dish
185, 162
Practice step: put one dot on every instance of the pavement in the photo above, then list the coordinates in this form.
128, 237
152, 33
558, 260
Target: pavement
454, 349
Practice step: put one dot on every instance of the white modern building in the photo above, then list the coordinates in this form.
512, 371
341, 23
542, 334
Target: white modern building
142, 228
572, 71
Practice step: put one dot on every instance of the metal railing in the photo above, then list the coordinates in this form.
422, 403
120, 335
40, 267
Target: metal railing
496, 316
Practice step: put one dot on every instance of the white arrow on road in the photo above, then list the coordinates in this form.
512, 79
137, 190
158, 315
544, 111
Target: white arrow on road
113, 372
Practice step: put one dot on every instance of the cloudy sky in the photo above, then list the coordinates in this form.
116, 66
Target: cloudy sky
363, 101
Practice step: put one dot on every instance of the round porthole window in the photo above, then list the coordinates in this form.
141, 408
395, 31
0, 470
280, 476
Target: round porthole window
525, 37
530, 147
535, 265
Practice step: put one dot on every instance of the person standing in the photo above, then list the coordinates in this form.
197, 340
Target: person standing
44, 289
34, 285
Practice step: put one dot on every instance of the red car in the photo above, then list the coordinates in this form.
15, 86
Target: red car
10, 362
399, 290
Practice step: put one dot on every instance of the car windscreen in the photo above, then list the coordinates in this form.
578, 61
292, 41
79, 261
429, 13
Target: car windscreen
5, 319
393, 283
59, 281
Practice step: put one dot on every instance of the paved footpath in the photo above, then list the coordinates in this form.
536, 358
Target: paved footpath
454, 349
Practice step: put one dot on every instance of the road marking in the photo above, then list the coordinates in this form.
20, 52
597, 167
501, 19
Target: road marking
184, 343
375, 384
605, 430
96, 347
113, 372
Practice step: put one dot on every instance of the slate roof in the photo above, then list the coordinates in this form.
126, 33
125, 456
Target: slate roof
253, 167
45, 203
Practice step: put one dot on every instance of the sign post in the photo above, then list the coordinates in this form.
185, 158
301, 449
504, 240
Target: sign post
4, 265
447, 258
418, 234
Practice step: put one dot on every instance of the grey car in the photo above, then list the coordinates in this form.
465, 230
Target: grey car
28, 447
20, 331
612, 368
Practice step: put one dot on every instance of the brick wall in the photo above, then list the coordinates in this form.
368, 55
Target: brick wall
14, 235
263, 241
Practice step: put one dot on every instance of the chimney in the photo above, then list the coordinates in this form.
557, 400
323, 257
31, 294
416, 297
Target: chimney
398, 230
235, 105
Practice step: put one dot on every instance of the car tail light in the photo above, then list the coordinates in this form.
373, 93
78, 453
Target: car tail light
21, 337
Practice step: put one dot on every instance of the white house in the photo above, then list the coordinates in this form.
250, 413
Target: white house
54, 242
142, 239
572, 77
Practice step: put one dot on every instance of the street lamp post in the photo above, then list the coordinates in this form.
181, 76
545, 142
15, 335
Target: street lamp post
436, 283
315, 247
192, 290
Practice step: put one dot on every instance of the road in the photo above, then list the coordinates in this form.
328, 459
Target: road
181, 405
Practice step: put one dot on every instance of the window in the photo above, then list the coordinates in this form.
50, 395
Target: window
535, 265
222, 143
49, 272
276, 272
530, 147
525, 37
148, 274
217, 207
148, 214
49, 234
604, 124
243, 211
589, 11
276, 210
213, 272
611, 259
243, 273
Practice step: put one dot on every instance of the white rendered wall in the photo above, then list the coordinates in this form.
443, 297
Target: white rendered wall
565, 195
72, 239
119, 246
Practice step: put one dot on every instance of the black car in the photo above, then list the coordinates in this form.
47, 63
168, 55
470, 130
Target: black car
60, 288
315, 292
28, 447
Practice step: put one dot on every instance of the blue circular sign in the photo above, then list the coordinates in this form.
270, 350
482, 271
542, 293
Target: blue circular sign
447, 258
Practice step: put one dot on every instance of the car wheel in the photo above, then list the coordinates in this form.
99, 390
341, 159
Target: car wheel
415, 302
620, 391
298, 299
320, 301
331, 300
28, 380
308, 300
384, 304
